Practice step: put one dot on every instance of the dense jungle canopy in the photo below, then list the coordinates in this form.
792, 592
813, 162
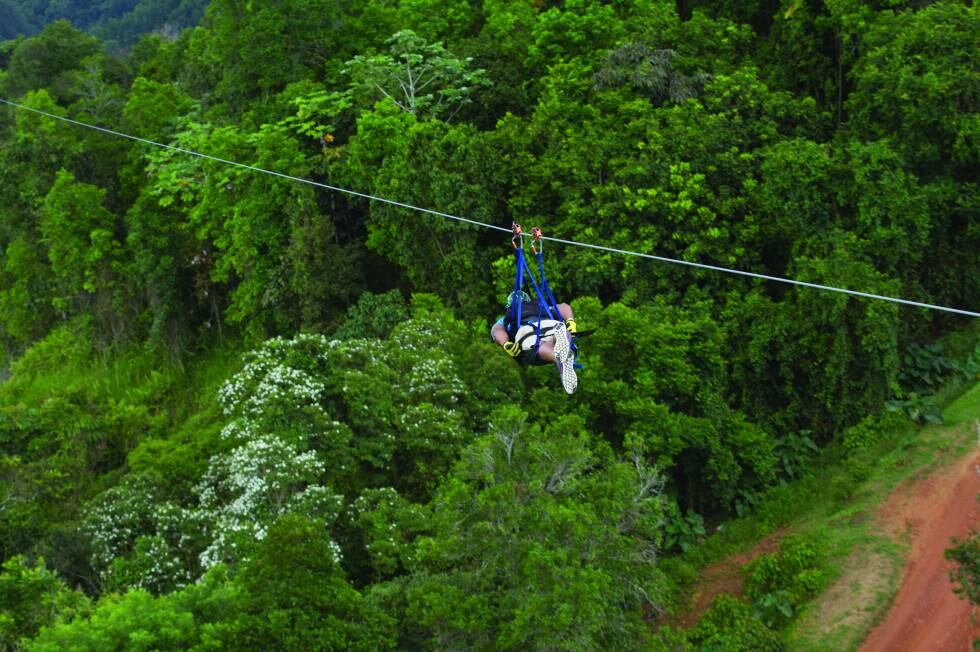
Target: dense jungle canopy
240, 412
119, 22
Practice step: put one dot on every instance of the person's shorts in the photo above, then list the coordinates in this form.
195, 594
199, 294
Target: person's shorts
526, 337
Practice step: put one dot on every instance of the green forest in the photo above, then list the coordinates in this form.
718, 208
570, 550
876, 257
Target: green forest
239, 412
120, 23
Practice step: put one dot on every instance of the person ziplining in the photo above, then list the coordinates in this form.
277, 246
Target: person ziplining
537, 332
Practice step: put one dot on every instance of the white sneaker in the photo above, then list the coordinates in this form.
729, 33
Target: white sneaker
565, 359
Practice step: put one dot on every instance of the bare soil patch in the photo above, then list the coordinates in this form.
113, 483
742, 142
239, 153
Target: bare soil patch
724, 576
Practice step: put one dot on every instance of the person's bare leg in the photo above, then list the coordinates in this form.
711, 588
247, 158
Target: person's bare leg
546, 350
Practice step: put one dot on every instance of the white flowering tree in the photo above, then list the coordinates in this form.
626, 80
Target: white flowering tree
313, 423
281, 391
245, 491
139, 540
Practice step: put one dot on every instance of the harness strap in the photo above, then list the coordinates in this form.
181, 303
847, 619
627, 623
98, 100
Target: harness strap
518, 283
547, 306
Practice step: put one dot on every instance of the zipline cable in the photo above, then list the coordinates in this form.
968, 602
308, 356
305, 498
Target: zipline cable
251, 167
625, 252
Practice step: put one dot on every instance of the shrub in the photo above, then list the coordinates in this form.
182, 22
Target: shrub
779, 583
967, 573
732, 625
681, 531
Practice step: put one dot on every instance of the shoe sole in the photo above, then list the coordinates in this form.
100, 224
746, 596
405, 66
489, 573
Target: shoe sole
564, 359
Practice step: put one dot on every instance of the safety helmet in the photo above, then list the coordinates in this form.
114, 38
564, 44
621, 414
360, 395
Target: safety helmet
521, 296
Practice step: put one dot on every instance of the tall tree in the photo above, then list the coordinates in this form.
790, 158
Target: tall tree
917, 87
44, 61
540, 540
420, 78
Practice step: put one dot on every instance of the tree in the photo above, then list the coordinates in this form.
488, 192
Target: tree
38, 149
152, 108
885, 207
407, 400
383, 527
295, 597
575, 30
676, 181
262, 239
169, 274
650, 72
452, 21
658, 374
420, 78
32, 597
791, 198
85, 254
539, 540
25, 300
140, 540
241, 44
428, 164
245, 491
826, 371
374, 316
186, 619
46, 60
916, 86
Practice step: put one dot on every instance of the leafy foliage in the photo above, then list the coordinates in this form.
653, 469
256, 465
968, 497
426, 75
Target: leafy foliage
373, 316
966, 554
779, 583
559, 544
136, 620
268, 415
33, 597
731, 624
681, 531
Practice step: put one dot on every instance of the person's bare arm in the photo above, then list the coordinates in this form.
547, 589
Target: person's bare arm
499, 334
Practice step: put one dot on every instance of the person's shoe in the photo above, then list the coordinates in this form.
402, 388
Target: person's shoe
565, 359
569, 380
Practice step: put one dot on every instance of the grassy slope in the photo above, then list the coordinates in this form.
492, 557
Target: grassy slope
870, 564
176, 418
831, 507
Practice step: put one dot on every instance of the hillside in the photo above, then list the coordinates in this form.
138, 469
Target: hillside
248, 273
861, 566
120, 23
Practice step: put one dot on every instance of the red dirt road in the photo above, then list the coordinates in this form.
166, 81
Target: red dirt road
926, 615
